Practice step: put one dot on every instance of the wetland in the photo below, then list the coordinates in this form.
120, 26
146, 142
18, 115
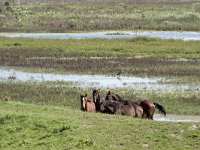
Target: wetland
50, 53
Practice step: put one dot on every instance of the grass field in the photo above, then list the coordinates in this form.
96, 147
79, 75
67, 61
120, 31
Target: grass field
138, 56
73, 16
28, 126
60, 94
47, 115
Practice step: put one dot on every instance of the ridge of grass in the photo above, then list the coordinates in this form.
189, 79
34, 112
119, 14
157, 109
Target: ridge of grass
28, 126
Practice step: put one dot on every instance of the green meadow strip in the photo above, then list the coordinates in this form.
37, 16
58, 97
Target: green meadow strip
138, 56
28, 126
63, 94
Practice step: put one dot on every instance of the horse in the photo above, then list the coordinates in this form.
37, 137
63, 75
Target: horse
116, 97
97, 99
147, 105
118, 108
87, 105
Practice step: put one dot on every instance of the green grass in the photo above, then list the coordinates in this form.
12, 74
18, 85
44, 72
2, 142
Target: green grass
135, 47
69, 16
138, 56
62, 94
28, 126
174, 59
48, 116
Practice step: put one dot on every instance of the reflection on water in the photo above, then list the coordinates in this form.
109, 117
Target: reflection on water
98, 81
108, 35
88, 80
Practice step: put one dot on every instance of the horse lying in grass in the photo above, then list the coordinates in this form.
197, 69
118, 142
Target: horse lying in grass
147, 105
117, 108
114, 107
87, 105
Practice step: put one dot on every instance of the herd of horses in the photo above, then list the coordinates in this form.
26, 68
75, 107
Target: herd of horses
115, 104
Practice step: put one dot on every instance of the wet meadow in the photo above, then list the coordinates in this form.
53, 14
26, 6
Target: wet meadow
137, 56
140, 57
46, 115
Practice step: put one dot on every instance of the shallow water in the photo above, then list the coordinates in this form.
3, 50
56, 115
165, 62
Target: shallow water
176, 118
97, 81
108, 35
105, 82
88, 80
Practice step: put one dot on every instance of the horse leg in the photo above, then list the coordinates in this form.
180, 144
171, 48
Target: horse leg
148, 115
118, 112
150, 111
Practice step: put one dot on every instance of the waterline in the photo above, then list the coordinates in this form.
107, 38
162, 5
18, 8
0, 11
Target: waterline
108, 35
97, 81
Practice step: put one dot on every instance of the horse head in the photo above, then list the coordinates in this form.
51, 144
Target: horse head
115, 97
107, 107
83, 101
96, 95
112, 96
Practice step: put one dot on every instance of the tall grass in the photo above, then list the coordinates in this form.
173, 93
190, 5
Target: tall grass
68, 16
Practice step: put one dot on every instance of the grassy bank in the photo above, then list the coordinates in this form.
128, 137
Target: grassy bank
138, 56
61, 94
25, 126
69, 15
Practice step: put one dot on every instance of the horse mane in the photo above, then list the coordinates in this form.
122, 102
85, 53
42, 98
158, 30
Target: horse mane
119, 97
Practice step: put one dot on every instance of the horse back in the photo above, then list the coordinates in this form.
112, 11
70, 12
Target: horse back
127, 110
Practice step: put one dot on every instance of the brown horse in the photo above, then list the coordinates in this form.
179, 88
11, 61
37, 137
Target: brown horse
96, 99
147, 105
118, 108
87, 105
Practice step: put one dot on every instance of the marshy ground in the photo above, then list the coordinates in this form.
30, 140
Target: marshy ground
175, 62
46, 114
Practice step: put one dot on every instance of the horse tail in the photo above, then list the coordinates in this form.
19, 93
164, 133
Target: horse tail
160, 108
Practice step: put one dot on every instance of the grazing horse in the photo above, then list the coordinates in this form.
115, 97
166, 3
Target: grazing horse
147, 105
118, 108
87, 105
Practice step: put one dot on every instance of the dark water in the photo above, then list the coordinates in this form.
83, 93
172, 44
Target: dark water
108, 35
